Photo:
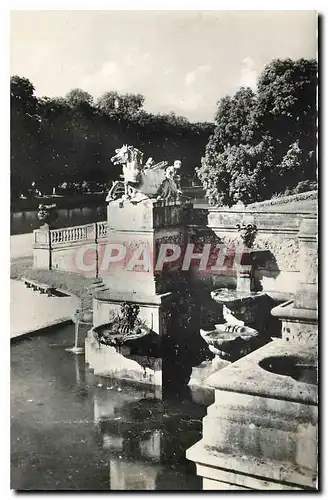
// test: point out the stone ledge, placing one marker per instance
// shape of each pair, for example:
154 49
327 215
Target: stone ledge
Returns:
40 329
252 473
136 297
243 376
288 311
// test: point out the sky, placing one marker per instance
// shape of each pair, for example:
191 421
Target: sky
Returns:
181 61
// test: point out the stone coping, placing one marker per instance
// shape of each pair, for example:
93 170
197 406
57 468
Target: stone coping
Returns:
258 210
249 470
276 205
247 377
41 329
287 310
152 202
32 312
135 297
282 200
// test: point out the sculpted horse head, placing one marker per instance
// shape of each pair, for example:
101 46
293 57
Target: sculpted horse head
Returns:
140 181
127 155
131 160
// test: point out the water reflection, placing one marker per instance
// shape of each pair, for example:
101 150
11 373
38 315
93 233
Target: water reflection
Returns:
71 430
146 439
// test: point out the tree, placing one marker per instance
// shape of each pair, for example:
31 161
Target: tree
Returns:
24 125
57 151
239 173
22 95
71 139
118 105
76 97
286 110
286 102
234 119
264 143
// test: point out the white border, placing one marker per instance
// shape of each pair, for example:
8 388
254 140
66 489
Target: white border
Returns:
320 6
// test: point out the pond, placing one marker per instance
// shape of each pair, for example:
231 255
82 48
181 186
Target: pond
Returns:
27 220
71 430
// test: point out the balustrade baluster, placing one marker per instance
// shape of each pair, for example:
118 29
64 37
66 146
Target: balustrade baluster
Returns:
78 233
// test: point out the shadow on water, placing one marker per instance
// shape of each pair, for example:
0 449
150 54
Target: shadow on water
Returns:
71 430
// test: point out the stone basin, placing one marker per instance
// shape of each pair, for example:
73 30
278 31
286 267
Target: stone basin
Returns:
141 340
261 431
109 335
300 369
229 297
246 308
244 375
230 342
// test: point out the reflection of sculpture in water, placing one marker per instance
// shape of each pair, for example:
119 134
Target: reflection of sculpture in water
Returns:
142 182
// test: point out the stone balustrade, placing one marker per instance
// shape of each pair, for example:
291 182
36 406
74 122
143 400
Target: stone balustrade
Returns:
69 234
55 248
102 229
85 232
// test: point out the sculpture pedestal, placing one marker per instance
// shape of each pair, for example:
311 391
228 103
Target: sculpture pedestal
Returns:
141 237
261 431
142 277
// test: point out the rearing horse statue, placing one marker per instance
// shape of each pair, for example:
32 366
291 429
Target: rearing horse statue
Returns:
140 181
131 160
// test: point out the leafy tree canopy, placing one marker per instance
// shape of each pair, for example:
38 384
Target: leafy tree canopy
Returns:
264 143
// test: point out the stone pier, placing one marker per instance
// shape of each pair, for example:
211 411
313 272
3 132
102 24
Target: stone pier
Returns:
160 293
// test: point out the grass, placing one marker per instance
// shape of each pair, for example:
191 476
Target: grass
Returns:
71 283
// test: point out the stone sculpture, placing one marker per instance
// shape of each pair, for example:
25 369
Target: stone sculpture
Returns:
170 188
248 233
125 329
47 214
142 182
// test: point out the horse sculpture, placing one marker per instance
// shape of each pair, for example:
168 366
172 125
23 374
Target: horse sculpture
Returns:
140 181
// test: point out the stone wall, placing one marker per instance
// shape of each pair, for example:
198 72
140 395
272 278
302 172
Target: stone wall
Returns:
276 247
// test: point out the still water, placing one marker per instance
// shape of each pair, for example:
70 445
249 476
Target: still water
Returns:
71 430
27 220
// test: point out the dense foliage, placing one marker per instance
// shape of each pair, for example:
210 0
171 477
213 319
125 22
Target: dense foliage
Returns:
70 140
264 143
